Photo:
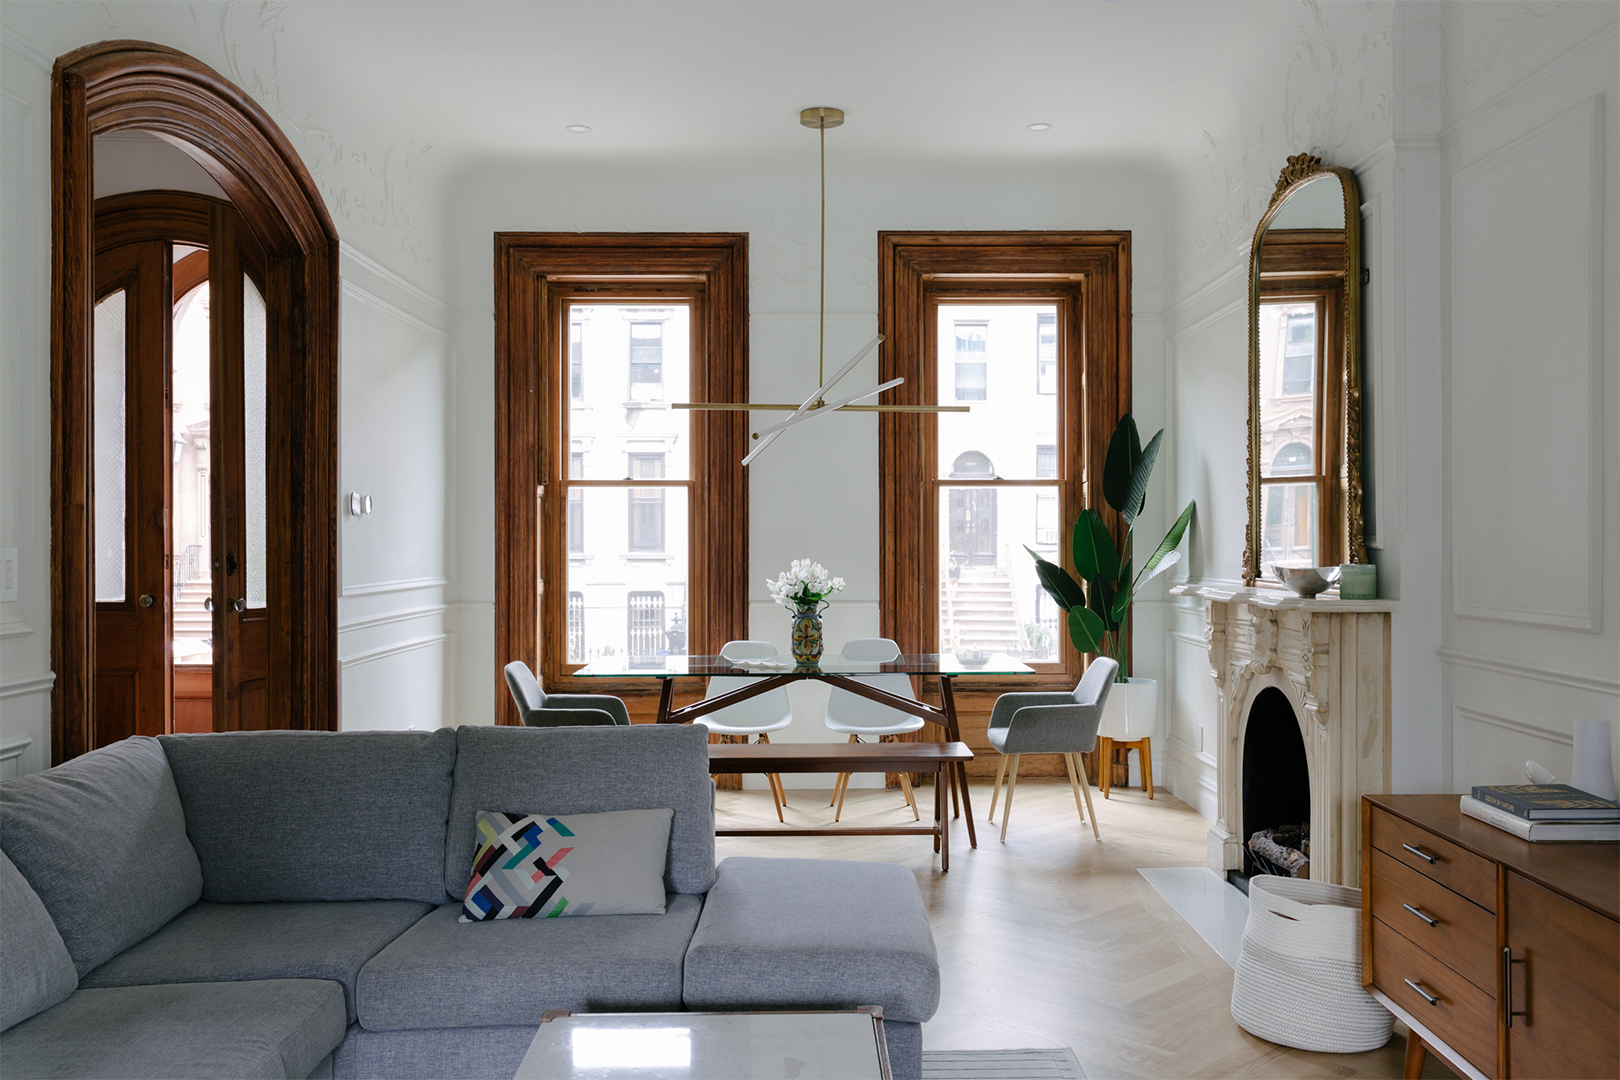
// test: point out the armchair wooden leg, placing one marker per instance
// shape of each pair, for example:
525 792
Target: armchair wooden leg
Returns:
1147 766
995 792
1105 765
1074 786
1006 811
1085 789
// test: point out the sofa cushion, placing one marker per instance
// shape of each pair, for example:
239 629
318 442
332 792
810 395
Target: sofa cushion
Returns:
561 866
37 972
444 973
239 942
354 815
102 840
587 770
274 1028
813 933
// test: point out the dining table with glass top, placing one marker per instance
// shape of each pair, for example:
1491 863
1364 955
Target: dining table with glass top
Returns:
833 669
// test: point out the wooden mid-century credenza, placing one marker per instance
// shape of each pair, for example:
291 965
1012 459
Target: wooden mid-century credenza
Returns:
1501 956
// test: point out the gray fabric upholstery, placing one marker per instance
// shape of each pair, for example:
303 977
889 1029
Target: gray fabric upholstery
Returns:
238 942
102 840
1053 723
813 933
479 1053
274 1028
37 971
905 1048
537 708
586 770
446 973
316 815
323 1071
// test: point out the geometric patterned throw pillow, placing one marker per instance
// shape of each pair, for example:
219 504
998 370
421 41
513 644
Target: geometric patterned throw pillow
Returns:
551 866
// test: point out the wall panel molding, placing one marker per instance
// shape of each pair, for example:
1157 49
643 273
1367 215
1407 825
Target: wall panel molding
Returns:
366 296
14 749
1603 41
352 254
393 650
27 684
1499 665
1568 151
403 615
376 588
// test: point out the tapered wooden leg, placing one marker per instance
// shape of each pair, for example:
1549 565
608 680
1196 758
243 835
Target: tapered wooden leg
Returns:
1147 766
1074 786
1415 1053
839 813
781 789
843 778
1006 811
995 792
1105 765
911 800
1085 789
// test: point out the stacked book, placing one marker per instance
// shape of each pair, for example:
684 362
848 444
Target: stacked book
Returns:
1545 812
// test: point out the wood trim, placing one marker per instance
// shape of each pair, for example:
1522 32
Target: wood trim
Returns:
529 269
1090 272
118 85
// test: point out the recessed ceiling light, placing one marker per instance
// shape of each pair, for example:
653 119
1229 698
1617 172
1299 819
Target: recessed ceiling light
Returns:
577 129
1039 127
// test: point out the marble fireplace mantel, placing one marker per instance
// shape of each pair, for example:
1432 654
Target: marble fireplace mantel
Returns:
1330 658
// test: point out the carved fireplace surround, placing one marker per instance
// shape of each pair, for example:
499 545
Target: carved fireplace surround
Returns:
1330 658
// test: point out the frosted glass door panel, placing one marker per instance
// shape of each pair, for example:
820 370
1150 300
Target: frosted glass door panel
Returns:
111 468
254 334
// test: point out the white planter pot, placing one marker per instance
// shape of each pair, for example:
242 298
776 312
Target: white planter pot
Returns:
1132 711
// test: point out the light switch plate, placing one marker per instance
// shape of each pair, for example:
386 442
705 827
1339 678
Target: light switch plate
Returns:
8 575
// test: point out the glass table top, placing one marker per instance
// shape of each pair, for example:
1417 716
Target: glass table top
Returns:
670 667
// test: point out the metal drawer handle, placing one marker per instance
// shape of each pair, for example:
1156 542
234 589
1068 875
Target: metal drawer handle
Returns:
1431 999
1419 914
1508 1012
1424 855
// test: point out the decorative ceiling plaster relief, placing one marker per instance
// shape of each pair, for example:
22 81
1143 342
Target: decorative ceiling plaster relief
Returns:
377 188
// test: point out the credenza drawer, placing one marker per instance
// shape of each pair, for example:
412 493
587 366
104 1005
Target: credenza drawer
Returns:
1460 1013
1435 919
1457 869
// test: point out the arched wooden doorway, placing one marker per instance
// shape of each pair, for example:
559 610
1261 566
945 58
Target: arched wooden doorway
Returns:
136 85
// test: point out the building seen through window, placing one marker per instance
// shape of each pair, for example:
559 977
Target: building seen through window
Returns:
627 527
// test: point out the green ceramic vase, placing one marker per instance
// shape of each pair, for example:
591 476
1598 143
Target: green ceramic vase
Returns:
807 634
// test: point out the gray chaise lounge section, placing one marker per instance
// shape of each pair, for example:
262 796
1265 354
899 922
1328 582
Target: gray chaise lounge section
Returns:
286 904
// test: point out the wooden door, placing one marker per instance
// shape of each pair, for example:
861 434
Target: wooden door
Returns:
239 326
973 526
1563 981
129 507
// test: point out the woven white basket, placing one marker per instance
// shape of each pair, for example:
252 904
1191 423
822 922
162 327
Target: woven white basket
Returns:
1298 979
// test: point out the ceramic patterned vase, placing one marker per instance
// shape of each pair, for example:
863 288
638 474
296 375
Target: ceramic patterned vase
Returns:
807 634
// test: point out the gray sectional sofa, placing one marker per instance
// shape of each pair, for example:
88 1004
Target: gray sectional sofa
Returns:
285 904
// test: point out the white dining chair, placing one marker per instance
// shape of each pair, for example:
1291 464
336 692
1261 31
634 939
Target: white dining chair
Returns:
757 716
860 717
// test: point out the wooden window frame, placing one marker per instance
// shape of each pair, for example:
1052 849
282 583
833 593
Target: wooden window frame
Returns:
533 272
1091 271
134 85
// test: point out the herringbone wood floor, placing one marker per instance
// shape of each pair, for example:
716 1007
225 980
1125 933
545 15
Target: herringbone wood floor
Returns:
1053 939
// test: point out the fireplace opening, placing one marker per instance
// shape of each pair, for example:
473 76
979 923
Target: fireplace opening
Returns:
1276 821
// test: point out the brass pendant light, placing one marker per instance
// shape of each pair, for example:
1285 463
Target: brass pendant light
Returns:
821 118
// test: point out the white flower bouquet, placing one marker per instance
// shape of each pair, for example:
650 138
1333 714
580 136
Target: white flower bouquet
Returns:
804 584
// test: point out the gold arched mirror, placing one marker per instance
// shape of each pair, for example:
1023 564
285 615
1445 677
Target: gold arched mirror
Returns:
1305 282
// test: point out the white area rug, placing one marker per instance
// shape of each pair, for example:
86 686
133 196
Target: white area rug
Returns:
1211 905
1058 1064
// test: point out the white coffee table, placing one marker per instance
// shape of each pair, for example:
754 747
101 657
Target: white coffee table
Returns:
845 1045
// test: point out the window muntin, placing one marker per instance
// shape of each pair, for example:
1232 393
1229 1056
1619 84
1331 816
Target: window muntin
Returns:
1046 353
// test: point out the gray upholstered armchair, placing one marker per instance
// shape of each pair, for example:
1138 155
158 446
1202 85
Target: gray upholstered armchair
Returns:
1050 724
540 709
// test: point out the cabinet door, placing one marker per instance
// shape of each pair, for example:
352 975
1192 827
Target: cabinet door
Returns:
1567 985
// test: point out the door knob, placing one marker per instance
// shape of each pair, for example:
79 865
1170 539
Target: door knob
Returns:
146 600
239 604
208 603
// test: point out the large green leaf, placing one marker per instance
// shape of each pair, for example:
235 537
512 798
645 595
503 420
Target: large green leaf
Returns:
1171 539
1103 592
1086 630
1166 563
1119 467
1123 595
1058 584
1137 496
1094 553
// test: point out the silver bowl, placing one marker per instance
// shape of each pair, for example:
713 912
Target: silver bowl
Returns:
1307 581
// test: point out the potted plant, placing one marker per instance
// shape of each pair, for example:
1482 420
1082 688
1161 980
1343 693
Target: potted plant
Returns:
1098 612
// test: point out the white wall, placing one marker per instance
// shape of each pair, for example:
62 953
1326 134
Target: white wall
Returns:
1486 160
814 493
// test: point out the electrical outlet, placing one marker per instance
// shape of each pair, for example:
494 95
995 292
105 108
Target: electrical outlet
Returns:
8 574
